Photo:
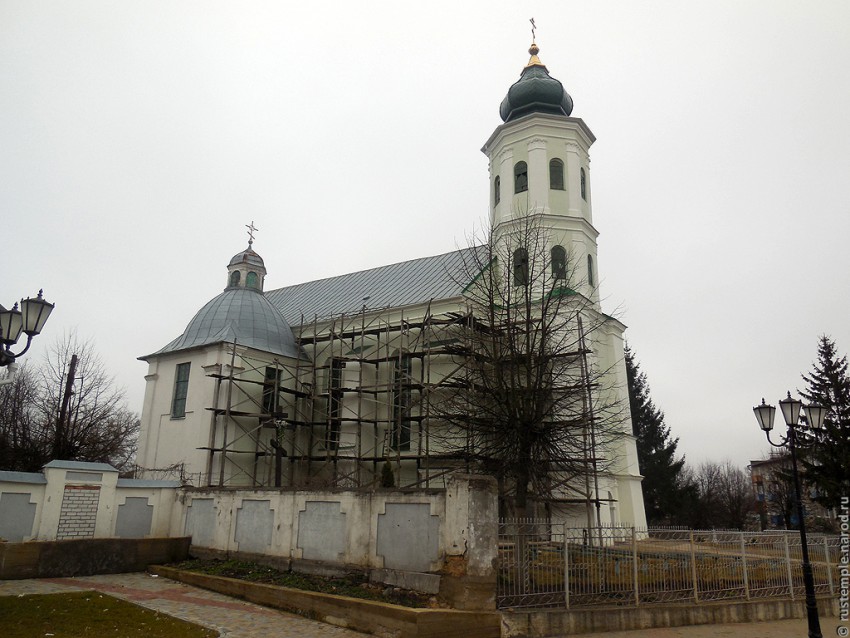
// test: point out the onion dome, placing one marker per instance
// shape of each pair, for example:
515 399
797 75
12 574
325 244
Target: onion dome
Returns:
535 92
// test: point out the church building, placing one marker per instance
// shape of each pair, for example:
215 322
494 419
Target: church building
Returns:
359 381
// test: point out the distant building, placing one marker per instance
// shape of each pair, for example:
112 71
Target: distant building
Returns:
322 383
773 488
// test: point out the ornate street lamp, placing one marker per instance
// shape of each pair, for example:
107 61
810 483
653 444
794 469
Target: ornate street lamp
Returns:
815 415
30 320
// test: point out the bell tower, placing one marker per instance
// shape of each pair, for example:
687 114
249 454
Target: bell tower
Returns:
540 166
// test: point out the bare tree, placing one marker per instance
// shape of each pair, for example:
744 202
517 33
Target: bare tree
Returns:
69 408
529 404
725 496
21 439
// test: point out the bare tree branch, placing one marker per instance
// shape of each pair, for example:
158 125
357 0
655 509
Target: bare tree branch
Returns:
530 404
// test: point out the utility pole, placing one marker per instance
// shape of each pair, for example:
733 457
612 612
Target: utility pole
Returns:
59 445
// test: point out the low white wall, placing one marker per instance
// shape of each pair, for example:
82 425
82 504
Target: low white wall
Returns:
397 530
70 499
401 531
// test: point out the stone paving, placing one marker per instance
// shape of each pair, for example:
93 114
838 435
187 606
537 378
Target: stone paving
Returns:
232 618
797 628
237 619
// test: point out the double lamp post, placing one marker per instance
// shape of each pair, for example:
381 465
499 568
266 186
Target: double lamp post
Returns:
815 415
30 319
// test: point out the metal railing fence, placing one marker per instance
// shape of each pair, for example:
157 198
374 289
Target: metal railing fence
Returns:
544 564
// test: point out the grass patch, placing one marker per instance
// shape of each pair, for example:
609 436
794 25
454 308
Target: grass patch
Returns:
89 613
353 585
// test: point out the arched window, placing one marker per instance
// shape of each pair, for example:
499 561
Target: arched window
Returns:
181 389
556 175
559 263
235 276
497 190
271 390
520 177
520 267
400 426
583 185
335 397
590 278
252 281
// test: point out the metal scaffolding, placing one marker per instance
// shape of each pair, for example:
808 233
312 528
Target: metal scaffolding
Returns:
365 392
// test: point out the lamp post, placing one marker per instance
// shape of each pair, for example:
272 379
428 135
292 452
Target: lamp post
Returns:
30 319
815 415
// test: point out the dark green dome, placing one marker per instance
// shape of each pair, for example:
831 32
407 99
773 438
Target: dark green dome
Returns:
535 92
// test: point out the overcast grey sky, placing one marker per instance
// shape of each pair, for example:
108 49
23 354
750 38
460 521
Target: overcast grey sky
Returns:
138 138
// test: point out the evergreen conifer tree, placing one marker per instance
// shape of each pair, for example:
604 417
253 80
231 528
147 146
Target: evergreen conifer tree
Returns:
828 464
664 491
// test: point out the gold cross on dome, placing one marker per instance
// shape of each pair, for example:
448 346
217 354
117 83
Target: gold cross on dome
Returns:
251 231
533 28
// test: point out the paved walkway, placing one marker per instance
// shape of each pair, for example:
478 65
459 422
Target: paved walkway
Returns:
231 617
237 619
775 629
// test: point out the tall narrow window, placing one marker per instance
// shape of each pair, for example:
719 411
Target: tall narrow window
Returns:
400 438
497 190
335 397
520 177
271 390
556 175
559 263
520 267
235 277
251 280
590 277
181 389
583 185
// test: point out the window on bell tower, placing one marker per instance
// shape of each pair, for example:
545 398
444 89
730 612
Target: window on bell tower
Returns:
583 185
556 175
520 267
235 276
559 262
520 177
590 277
497 190
252 281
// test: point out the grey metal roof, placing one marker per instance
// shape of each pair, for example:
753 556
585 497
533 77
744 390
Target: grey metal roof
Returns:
84 466
147 483
406 283
7 476
240 314
247 256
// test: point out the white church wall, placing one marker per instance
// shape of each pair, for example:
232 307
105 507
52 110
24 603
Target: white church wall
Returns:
166 440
